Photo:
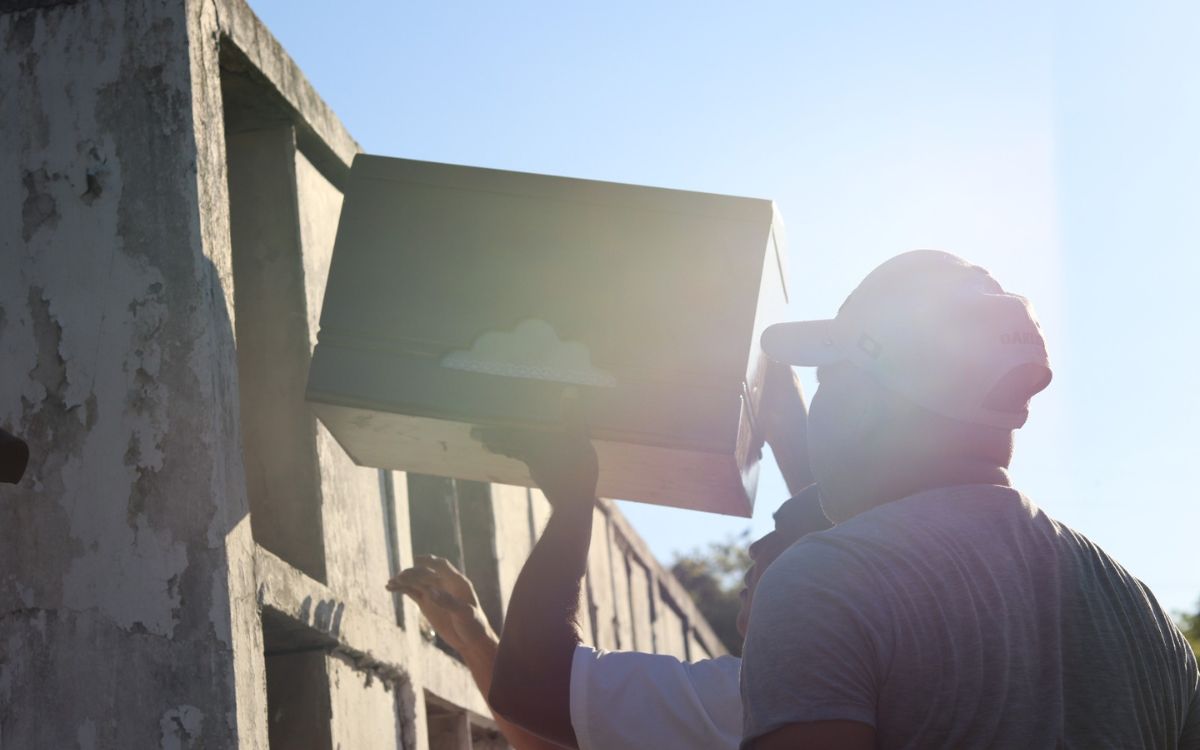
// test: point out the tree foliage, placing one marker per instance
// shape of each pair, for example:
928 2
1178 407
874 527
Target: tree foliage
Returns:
713 577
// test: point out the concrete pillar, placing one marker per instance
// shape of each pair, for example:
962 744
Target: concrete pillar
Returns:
355 508
600 582
641 604
126 577
514 535
477 513
621 596
278 429
433 517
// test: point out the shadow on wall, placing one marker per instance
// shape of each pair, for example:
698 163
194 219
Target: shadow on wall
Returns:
14 457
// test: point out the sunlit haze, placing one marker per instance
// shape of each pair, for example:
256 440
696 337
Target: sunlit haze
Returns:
1055 146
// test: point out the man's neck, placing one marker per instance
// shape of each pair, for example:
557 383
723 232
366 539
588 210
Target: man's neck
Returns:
916 477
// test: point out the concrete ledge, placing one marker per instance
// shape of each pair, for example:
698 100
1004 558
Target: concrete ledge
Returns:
317 126
306 614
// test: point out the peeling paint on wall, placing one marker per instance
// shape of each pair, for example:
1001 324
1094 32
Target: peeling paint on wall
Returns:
115 341
180 728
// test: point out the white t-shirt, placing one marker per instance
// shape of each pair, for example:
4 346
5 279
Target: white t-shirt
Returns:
625 699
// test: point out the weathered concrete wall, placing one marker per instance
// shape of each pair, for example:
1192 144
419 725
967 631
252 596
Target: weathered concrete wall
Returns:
516 531
640 601
123 548
279 432
353 517
623 618
140 607
600 585
363 708
352 513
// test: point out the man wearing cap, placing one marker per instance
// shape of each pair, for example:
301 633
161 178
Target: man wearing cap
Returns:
946 609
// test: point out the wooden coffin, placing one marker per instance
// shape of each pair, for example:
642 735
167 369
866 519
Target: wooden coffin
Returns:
460 296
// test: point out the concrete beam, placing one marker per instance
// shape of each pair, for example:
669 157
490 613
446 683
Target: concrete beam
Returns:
316 617
318 127
319 617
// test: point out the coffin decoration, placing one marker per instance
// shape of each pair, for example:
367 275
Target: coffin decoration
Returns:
461 297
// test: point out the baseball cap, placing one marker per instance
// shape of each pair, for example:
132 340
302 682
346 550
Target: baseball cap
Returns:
935 329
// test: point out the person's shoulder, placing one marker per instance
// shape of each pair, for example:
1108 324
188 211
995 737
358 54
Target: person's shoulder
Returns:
692 704
832 560
882 537
1089 557
880 530
719 667
1092 561
961 511
601 664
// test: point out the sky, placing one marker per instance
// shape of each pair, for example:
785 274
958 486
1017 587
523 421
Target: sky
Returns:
1054 144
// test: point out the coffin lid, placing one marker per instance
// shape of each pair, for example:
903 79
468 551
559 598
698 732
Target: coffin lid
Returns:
414 278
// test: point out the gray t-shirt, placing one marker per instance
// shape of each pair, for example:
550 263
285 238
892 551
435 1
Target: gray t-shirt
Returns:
965 617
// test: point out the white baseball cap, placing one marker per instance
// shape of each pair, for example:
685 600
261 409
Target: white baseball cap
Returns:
936 329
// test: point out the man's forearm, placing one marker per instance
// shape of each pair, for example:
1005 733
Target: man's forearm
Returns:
480 658
786 421
532 677
791 455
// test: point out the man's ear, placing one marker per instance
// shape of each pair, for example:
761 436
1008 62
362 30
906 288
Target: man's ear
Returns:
868 411
879 415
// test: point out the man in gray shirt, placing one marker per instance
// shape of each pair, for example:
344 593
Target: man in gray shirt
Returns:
945 609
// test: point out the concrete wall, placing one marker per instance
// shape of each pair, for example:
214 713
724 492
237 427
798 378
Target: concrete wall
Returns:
126 549
192 560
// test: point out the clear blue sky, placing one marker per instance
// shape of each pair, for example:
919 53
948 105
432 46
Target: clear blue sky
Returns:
1055 145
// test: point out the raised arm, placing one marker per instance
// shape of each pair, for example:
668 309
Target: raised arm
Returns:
785 425
532 677
447 599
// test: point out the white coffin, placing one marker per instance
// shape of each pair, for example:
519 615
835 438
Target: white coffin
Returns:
460 296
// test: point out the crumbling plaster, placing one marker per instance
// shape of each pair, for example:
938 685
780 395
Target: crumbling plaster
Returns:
115 344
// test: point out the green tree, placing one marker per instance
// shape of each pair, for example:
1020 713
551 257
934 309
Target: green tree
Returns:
713 577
